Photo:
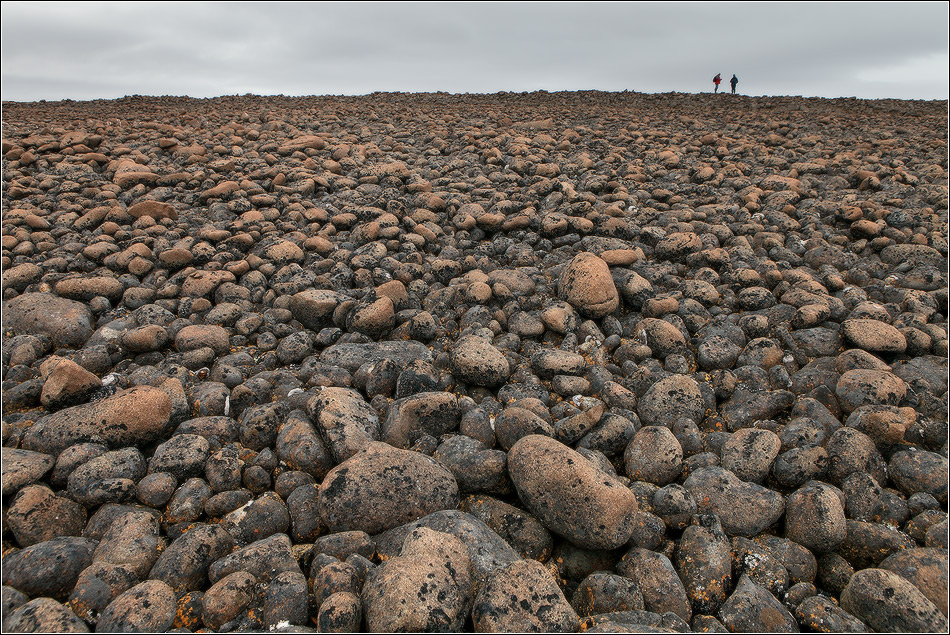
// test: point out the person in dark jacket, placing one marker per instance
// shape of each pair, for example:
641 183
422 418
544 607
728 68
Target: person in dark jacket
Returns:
716 80
734 81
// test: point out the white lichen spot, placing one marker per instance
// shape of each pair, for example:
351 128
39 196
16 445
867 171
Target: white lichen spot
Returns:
752 560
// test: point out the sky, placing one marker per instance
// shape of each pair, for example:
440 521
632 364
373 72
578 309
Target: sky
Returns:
107 50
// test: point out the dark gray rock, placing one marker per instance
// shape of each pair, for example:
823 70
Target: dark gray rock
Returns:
606 593
48 568
522 531
429 586
487 550
660 585
352 356
745 509
433 413
346 422
523 597
752 609
669 399
822 615
382 487
887 602
264 559
184 564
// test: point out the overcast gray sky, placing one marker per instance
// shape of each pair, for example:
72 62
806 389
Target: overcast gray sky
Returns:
90 50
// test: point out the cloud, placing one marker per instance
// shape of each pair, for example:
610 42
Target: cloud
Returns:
106 50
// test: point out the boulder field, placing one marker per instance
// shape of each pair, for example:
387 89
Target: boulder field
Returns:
561 362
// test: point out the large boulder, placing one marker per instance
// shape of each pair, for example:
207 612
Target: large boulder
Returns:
587 285
68 323
382 487
570 495
128 418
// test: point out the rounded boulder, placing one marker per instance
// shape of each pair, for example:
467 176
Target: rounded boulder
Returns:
569 495
382 487
587 285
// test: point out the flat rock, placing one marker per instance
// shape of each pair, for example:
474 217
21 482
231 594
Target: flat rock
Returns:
264 559
23 467
136 415
486 549
43 615
926 568
862 387
38 515
67 383
352 356
48 568
156 209
873 335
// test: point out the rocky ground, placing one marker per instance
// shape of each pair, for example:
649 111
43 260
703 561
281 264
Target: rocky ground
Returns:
571 361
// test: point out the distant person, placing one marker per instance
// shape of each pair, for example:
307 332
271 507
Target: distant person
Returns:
716 80
733 81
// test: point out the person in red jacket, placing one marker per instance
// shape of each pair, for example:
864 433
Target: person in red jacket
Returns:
716 80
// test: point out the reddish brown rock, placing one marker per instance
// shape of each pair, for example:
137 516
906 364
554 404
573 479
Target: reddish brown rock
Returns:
551 478
874 336
586 284
136 415
156 209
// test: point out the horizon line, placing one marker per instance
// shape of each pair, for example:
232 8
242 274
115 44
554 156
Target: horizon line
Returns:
457 94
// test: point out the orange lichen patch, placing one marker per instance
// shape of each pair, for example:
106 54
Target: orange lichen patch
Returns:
82 609
188 612
7 549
